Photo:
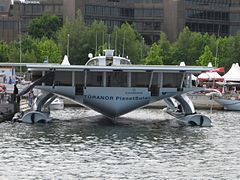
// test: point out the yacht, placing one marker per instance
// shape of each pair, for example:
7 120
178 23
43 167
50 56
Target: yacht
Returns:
112 86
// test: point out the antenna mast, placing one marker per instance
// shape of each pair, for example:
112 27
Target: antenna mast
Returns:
123 42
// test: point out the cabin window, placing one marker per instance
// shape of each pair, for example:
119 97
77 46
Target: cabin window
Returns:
172 80
93 62
109 61
140 79
94 79
79 82
124 62
63 78
113 79
116 79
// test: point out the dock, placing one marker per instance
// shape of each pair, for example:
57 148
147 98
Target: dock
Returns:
200 102
8 106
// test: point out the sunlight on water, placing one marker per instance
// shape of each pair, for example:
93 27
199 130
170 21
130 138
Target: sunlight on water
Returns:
144 144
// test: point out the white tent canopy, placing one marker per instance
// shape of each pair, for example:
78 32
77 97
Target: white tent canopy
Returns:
210 64
65 61
210 76
233 74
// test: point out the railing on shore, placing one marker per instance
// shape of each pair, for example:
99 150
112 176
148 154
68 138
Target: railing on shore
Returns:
9 105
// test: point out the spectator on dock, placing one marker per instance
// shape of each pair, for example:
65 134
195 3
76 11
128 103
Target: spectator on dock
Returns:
15 93
10 80
30 98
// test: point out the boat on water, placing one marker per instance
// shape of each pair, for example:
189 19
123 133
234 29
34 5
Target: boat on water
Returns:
112 86
229 102
8 106
57 104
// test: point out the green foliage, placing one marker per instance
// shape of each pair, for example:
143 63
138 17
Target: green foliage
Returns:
49 50
165 48
153 57
187 48
94 39
206 57
3 51
127 42
45 26
229 51
13 52
33 51
191 47
78 42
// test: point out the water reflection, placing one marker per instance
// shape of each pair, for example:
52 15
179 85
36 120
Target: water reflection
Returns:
144 144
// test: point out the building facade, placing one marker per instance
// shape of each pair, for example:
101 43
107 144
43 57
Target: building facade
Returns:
220 17
149 17
19 14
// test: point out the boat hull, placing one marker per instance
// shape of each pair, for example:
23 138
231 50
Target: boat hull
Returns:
115 101
229 104
57 104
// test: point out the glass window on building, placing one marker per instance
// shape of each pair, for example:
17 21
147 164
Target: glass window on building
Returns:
126 12
138 26
147 13
1 8
235 17
147 26
89 10
99 10
157 12
48 8
58 9
37 8
156 25
114 12
234 29
138 12
27 9
1 24
106 11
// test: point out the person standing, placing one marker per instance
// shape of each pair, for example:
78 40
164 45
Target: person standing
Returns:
15 93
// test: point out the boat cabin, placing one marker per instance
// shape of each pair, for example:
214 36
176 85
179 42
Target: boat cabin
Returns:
107 60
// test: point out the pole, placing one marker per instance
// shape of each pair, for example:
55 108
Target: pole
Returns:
96 44
123 43
68 45
216 54
20 46
142 44
116 44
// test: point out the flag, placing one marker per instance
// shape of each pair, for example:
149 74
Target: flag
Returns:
221 69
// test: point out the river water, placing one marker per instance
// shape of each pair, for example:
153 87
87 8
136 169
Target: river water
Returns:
144 144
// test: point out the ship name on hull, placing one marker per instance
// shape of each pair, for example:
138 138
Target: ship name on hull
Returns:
116 98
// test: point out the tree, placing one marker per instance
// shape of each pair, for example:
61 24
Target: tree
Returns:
164 46
49 50
206 57
95 38
13 52
127 42
45 26
229 50
188 47
79 45
153 57
3 51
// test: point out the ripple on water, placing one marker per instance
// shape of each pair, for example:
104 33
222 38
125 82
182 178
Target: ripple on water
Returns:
144 144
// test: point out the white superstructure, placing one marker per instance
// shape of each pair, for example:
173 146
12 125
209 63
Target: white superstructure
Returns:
112 86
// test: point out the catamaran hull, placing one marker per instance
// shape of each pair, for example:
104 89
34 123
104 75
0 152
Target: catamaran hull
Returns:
229 104
115 101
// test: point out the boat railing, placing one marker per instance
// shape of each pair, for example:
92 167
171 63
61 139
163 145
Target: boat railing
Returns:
232 96
6 98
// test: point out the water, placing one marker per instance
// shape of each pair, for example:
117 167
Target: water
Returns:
145 144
